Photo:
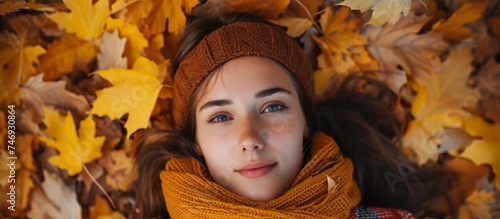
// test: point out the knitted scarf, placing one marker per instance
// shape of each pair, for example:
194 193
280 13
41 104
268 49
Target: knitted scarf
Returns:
323 189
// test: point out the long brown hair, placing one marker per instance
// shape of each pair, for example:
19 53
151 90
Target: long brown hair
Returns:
361 122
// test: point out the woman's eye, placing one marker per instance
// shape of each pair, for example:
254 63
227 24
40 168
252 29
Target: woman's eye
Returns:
219 118
273 108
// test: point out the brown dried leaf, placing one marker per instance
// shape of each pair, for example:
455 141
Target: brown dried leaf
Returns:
112 129
399 45
488 85
37 93
439 103
120 170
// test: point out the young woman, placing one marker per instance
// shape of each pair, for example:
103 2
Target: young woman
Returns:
249 143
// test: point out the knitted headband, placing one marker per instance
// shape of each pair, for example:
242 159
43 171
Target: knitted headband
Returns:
232 41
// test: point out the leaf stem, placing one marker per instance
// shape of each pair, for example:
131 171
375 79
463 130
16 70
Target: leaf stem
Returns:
310 16
100 187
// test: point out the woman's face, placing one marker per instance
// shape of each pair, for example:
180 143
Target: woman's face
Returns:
250 128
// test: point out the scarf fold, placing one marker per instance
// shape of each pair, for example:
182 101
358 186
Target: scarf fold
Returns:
324 188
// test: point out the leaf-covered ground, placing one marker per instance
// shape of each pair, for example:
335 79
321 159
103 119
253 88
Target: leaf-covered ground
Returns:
87 77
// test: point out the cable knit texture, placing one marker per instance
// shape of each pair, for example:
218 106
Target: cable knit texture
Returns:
232 41
190 193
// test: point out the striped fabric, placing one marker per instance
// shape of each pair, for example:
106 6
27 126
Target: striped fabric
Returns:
362 212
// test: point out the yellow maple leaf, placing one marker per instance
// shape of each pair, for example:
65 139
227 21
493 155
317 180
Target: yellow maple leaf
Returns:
62 54
296 26
85 20
136 42
383 10
174 11
154 50
134 92
484 150
439 103
342 46
120 170
74 150
454 28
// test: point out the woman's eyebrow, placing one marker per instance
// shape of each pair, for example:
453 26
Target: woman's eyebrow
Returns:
215 103
271 91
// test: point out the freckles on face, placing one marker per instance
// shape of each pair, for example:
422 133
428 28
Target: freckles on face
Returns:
250 126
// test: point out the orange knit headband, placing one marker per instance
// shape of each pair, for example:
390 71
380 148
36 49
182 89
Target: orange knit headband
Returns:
232 41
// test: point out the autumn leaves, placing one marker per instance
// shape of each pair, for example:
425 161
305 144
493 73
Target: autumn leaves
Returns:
90 75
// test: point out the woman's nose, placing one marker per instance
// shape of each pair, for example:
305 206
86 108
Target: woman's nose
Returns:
250 135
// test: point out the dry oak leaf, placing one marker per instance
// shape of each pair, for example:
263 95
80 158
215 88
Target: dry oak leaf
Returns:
439 103
269 9
74 150
384 11
11 6
85 20
398 44
134 92
296 25
111 51
135 40
37 93
62 54
484 150
16 66
54 199
342 47
488 84
454 28
119 168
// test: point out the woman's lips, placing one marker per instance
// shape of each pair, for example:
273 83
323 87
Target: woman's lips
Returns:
256 169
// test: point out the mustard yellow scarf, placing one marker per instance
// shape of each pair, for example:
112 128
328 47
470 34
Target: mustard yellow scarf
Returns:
323 189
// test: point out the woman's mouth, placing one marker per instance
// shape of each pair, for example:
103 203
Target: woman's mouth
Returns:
256 169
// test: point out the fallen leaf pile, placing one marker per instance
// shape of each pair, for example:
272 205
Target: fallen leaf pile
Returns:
87 77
